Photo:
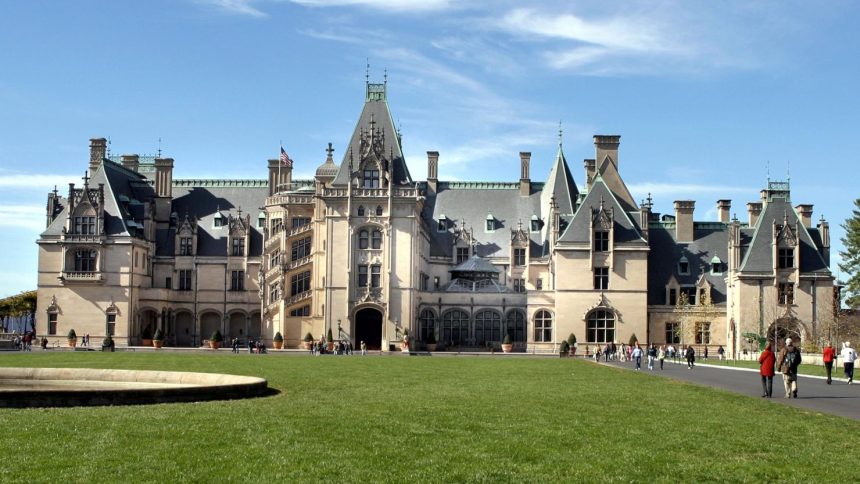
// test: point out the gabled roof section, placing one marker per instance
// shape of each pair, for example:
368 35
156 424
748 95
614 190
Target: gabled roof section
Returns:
759 254
375 113
560 185
609 173
600 195
711 242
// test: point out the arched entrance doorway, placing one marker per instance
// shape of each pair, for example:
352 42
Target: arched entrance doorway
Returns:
784 328
184 329
368 328
148 324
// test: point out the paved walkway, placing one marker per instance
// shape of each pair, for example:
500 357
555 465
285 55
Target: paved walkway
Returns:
813 392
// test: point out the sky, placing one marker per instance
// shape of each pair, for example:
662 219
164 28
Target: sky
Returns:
710 98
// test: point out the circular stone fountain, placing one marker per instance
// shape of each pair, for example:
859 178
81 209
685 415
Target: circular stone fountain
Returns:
66 387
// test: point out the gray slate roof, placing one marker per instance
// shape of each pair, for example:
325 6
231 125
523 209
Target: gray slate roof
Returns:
475 264
560 185
579 229
666 252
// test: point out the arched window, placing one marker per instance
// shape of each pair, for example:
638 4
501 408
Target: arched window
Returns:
361 210
515 325
379 210
455 327
362 239
426 324
376 239
543 326
600 327
488 327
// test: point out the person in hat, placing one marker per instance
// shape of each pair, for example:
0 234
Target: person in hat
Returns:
789 360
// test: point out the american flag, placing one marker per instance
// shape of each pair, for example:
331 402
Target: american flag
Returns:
285 158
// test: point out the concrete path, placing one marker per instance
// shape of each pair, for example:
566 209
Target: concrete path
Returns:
813 392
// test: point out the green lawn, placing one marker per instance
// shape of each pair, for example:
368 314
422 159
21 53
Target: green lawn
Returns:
803 369
408 419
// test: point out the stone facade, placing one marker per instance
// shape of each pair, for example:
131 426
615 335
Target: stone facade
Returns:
369 253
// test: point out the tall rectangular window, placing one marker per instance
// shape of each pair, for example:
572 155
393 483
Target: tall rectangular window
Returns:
277 225
689 293
300 222
275 258
539 284
237 281
370 179
442 225
519 285
111 324
519 257
300 249
375 272
168 282
185 280
362 276
703 333
185 246
673 296
85 260
274 292
601 278
673 333
601 241
52 323
238 246
300 283
786 258
462 254
786 293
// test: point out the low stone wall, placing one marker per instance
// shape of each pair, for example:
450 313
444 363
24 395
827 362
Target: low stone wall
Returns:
63 387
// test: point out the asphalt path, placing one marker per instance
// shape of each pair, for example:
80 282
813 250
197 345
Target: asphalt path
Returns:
813 393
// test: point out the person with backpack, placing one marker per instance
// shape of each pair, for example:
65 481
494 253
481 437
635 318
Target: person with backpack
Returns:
691 357
849 356
789 360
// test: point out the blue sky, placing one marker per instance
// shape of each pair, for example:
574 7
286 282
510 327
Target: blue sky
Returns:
706 95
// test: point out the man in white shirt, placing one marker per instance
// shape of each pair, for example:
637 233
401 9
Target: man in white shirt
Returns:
849 356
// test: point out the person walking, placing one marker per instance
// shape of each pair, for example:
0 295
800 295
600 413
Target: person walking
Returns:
828 355
363 348
721 352
661 355
691 357
652 355
767 360
849 356
636 354
789 360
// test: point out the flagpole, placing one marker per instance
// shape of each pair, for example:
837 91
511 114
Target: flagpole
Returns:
278 184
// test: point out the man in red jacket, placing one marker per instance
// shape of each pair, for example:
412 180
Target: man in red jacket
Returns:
828 356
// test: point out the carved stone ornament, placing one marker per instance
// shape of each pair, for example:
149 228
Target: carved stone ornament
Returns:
786 236
53 307
603 220
602 303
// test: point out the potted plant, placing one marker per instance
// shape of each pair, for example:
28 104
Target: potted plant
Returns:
309 340
73 338
146 336
158 338
404 346
431 342
215 340
107 343
330 341
278 341
565 349
507 344
571 342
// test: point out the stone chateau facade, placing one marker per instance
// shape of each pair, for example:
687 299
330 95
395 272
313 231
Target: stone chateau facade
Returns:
369 252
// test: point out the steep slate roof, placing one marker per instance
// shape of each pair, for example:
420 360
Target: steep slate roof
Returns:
710 240
203 202
376 108
560 184
758 256
579 229
472 202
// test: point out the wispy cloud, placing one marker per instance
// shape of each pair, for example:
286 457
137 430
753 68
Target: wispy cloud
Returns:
234 7
387 5
29 217
9 179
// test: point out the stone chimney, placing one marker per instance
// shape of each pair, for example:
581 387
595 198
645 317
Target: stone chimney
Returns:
525 180
590 168
432 170
805 212
824 231
98 150
606 145
684 220
131 162
754 209
724 207
164 177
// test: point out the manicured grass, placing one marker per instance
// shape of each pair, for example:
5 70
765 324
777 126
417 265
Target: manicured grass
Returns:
408 419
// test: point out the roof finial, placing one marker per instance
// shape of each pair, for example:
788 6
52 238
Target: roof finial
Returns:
788 172
86 178
650 200
367 71
768 172
108 148
329 152
159 146
385 76
560 132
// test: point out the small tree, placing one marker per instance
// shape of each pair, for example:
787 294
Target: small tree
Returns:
278 337
159 335
329 336
507 340
308 337
565 347
72 334
633 340
216 336
571 340
851 257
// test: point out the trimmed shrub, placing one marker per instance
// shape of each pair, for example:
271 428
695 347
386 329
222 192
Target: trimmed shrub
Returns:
507 340
146 333
329 336
571 340
72 334
633 340
565 347
216 336
159 335
308 337
278 337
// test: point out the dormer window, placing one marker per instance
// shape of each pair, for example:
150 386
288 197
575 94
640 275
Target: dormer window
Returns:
491 223
716 266
85 225
683 266
442 224
601 241
261 220
786 258
519 257
535 224
370 179
219 220
185 246
379 210
361 210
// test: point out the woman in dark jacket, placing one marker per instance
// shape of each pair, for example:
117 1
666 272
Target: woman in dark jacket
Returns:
768 362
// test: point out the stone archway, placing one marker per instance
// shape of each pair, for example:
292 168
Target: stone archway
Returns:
783 328
184 329
148 323
236 327
209 323
368 328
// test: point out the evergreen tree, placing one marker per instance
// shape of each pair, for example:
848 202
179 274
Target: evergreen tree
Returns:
851 257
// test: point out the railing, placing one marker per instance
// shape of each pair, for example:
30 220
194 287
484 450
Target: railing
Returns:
298 297
297 263
299 230
273 238
79 276
290 199
275 269
89 238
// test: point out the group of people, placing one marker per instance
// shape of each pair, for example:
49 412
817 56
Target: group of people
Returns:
338 347
253 346
788 361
